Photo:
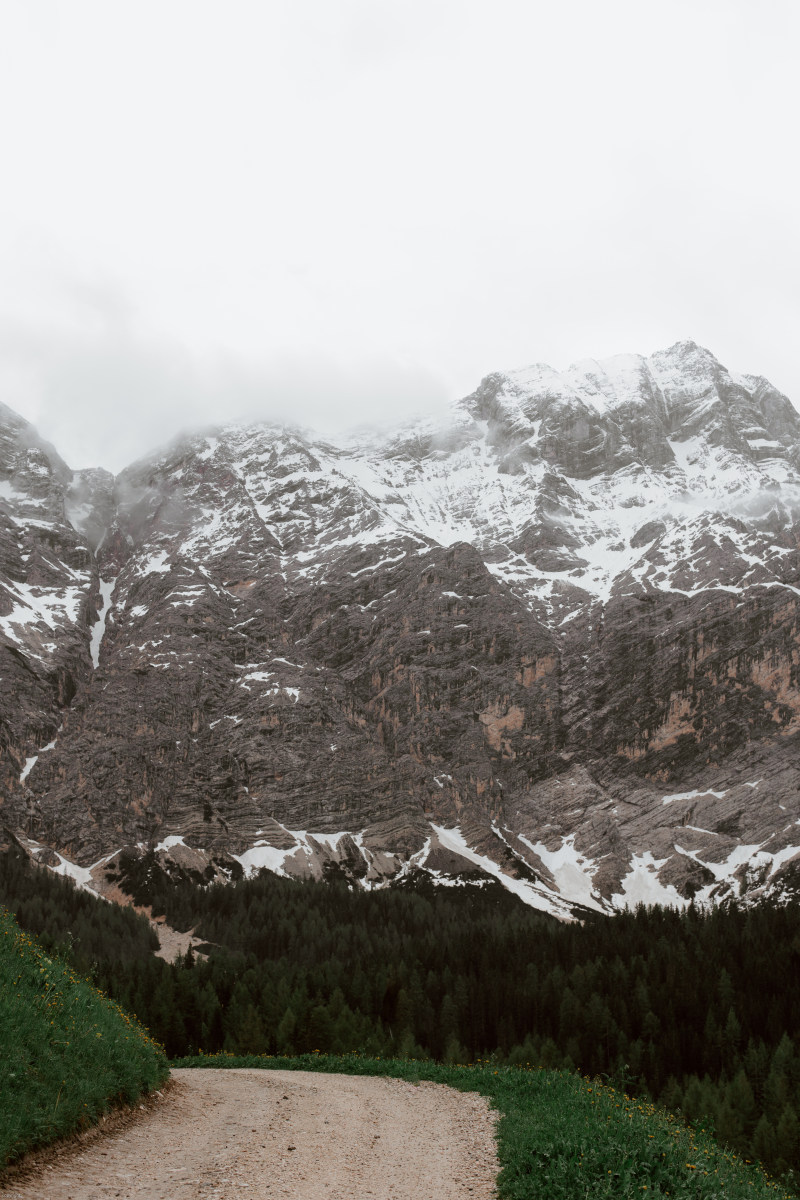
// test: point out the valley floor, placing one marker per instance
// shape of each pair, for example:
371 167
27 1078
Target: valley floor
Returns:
297 1134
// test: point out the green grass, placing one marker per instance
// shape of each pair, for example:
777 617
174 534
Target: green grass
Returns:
67 1053
564 1137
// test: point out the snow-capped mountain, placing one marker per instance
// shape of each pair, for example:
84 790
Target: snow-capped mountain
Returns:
552 639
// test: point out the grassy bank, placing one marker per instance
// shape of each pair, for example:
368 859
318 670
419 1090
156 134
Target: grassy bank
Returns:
564 1137
67 1053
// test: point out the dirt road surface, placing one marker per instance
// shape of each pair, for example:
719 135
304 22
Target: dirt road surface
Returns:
273 1135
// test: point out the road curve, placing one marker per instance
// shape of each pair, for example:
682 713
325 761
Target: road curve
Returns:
293 1135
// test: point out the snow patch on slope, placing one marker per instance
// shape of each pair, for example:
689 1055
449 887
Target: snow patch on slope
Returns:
99 627
453 839
641 885
572 871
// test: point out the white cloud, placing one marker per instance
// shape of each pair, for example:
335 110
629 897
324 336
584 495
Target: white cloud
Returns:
105 391
353 203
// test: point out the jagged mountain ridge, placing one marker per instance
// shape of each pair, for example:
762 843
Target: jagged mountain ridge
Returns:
551 638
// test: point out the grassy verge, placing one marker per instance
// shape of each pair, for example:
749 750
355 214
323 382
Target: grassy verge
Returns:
563 1137
67 1053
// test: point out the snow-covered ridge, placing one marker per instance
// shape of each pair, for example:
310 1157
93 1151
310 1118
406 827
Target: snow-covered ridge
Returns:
609 476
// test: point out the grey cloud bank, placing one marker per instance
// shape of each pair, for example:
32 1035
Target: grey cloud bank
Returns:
108 398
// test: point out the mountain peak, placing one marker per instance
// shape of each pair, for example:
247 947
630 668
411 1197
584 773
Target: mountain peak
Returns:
687 349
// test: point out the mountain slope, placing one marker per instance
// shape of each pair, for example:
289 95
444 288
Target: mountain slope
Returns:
552 638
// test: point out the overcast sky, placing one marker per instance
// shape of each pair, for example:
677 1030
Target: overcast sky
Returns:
334 210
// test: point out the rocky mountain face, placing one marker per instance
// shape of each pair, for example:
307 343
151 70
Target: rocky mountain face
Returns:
552 639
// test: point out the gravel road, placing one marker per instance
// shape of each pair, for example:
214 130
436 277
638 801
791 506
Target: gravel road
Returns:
298 1134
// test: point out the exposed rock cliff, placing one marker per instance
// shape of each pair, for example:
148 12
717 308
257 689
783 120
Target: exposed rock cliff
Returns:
553 638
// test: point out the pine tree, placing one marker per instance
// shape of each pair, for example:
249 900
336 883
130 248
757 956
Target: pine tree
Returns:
320 1029
787 1137
693 1099
250 1037
672 1096
730 1040
739 1095
285 1033
454 1052
728 1125
765 1142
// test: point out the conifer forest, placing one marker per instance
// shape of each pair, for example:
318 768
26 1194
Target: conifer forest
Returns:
697 1010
